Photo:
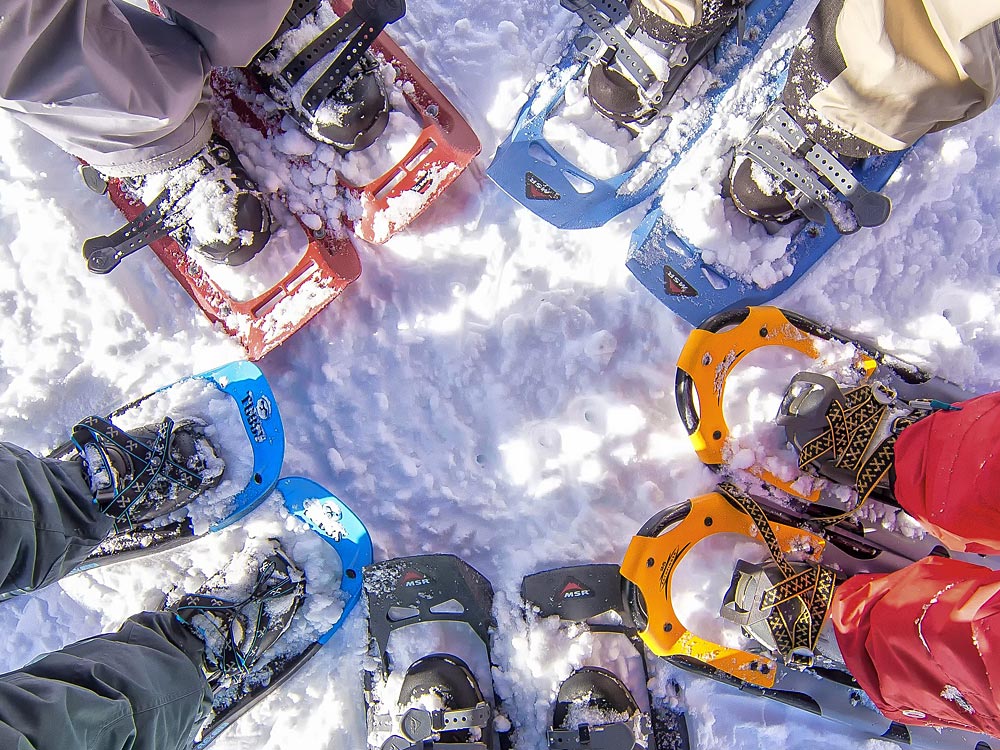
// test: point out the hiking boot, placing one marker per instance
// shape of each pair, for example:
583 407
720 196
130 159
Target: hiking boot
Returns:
319 69
150 472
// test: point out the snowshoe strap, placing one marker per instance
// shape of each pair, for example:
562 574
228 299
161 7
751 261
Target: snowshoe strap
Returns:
104 253
813 587
601 16
852 425
419 724
149 463
870 208
616 736
360 25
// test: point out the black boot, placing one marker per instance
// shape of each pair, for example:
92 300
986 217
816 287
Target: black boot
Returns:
622 87
149 472
240 622
208 204
330 84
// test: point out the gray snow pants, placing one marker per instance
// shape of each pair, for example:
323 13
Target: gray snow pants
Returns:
141 688
117 86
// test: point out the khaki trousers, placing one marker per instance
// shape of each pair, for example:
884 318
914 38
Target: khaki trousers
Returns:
909 67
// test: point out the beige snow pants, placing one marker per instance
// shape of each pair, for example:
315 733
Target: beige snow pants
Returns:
117 86
910 66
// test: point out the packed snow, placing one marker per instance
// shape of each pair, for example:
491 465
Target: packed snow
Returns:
490 387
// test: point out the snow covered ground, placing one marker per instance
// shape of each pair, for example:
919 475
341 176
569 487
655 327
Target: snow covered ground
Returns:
490 387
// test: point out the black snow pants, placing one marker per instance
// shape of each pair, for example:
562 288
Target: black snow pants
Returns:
141 688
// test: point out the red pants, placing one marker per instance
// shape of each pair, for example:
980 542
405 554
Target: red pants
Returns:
919 640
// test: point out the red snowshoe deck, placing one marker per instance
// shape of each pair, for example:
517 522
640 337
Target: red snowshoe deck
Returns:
445 148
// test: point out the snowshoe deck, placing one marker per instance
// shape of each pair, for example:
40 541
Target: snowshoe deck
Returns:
445 148
428 589
673 269
583 594
246 386
532 172
340 528
714 349
652 561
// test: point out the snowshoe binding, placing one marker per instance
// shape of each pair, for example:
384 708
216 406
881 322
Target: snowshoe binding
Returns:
890 392
170 482
621 85
150 472
781 603
240 624
438 699
172 198
594 707
331 85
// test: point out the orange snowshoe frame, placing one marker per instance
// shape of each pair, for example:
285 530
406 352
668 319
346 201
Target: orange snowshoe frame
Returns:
714 349
653 557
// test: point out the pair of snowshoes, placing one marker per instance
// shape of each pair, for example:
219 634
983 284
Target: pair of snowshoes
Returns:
344 88
419 700
191 459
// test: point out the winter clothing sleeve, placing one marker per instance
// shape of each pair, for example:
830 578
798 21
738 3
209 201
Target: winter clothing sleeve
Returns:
119 87
138 689
947 474
48 519
919 642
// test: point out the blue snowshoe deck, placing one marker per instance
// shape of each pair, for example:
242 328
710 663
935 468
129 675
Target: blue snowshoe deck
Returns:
673 269
529 169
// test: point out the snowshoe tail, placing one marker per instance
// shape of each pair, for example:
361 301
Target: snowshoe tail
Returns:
586 594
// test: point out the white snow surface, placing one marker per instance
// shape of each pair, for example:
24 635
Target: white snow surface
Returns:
491 386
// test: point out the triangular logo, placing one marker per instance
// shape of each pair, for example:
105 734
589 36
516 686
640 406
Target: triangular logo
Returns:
536 189
675 285
573 589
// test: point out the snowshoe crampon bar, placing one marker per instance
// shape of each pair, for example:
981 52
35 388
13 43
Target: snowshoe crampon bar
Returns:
653 557
340 528
532 172
445 148
714 349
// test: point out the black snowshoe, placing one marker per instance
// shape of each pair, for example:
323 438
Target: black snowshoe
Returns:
440 700
594 708
240 625
622 85
150 472
332 85
214 175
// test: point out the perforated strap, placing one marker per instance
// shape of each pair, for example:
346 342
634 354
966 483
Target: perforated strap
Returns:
870 208
614 736
601 16
419 724
367 19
